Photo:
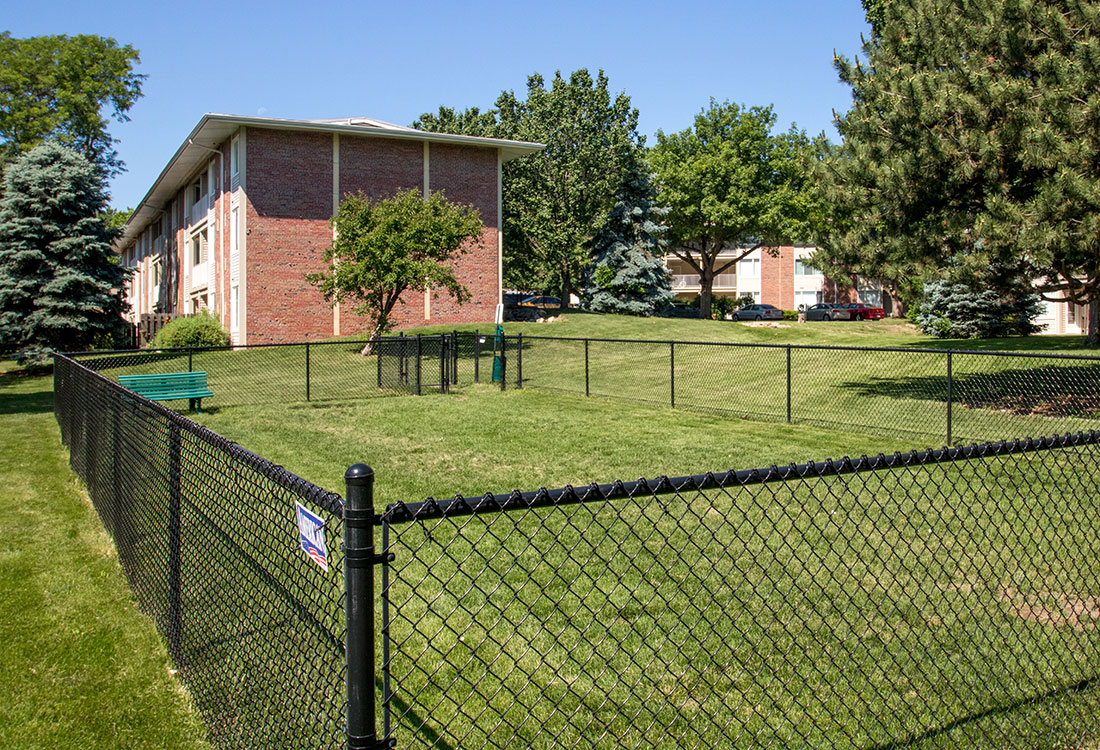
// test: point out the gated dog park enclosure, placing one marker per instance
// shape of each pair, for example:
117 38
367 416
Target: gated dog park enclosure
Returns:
944 596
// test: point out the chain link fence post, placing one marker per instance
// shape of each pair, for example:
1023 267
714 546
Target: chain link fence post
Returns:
788 383
586 391
378 358
359 646
519 361
950 383
175 480
307 371
671 373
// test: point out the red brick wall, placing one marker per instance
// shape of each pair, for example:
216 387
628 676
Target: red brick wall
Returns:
840 292
777 277
468 175
464 174
289 203
379 167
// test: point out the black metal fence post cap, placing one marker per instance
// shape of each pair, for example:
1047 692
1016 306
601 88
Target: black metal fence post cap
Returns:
358 474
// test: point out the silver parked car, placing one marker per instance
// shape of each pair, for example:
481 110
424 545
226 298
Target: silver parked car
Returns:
758 312
828 311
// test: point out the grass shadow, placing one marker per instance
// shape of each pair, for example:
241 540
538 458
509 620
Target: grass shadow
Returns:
1048 390
920 738
21 401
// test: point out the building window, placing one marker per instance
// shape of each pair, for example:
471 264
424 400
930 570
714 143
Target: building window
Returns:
808 298
871 297
198 249
802 268
749 268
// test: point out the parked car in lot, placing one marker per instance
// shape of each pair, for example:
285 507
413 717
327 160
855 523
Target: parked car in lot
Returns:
758 312
828 311
541 302
860 311
678 310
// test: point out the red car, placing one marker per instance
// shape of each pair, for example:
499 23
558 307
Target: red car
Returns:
860 311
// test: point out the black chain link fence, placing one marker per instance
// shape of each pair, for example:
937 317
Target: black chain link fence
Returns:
207 535
935 396
940 599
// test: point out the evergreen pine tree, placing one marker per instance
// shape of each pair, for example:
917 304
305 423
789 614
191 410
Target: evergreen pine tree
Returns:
61 287
628 274
973 145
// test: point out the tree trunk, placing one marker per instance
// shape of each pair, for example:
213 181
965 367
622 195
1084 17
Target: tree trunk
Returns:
706 285
566 287
897 306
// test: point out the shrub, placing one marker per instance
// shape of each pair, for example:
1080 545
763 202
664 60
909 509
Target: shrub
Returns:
957 311
720 307
202 329
790 315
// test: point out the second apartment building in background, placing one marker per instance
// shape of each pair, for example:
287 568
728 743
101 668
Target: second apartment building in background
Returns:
781 276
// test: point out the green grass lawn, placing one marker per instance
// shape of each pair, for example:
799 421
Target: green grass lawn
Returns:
909 584
80 666
902 393
920 591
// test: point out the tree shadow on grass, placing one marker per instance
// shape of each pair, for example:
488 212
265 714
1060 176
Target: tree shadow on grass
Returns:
1048 390
1058 692
13 401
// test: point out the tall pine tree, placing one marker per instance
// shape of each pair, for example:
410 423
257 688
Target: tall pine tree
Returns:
628 274
61 287
972 150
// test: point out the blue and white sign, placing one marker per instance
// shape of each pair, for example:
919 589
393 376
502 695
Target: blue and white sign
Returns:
312 531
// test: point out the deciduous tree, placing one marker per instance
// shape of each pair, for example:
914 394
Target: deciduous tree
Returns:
387 247
730 183
556 200
65 88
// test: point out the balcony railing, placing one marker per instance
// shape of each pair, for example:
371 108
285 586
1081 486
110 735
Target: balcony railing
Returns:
199 209
200 275
691 281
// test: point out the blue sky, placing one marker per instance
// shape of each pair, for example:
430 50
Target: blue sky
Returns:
395 60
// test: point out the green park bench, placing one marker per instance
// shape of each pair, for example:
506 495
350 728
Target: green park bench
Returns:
170 386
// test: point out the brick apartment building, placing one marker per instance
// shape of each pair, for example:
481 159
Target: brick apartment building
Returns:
240 215
785 280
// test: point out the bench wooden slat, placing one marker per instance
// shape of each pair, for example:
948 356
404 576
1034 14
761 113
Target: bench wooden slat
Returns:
171 386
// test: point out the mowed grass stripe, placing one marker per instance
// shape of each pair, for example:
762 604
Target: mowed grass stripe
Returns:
81 666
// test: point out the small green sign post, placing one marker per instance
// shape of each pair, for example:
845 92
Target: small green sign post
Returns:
498 354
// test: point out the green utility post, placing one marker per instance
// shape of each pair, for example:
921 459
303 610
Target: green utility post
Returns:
498 354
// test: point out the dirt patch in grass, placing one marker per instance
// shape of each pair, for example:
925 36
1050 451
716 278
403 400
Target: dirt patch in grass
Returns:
1054 608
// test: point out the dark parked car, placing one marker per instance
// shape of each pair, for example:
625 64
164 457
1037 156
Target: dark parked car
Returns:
544 301
828 311
758 312
860 311
682 311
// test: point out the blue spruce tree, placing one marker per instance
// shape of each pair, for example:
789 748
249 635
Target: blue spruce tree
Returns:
627 274
61 288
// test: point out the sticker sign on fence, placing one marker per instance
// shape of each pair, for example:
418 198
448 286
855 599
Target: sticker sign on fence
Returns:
311 529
